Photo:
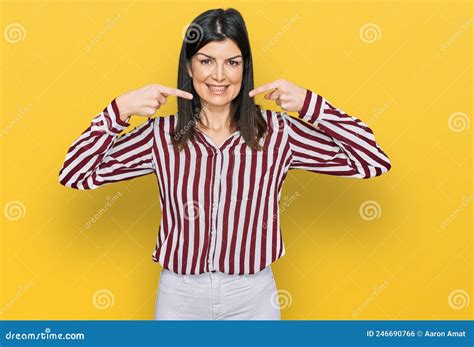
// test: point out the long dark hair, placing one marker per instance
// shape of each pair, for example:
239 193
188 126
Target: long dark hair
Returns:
246 116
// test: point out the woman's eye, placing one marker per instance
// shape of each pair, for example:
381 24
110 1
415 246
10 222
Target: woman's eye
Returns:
209 61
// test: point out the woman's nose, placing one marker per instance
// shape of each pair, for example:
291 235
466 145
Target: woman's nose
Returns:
218 73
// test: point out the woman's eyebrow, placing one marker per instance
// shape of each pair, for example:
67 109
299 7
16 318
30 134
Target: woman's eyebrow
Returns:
211 57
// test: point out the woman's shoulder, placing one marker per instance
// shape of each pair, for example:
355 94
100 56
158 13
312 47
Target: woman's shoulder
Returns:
274 119
165 122
272 114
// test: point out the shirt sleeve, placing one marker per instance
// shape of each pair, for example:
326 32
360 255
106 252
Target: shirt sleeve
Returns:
324 139
101 155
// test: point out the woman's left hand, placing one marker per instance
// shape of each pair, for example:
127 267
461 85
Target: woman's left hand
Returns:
287 95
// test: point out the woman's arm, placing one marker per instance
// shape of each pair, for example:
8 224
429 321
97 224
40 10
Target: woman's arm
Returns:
326 140
101 156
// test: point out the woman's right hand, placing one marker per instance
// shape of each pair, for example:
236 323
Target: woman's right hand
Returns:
147 100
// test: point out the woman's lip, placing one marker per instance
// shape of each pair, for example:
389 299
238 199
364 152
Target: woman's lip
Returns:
218 86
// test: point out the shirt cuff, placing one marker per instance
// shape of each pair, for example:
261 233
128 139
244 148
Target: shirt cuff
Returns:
112 123
117 114
312 111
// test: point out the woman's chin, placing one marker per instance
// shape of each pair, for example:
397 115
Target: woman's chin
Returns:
215 101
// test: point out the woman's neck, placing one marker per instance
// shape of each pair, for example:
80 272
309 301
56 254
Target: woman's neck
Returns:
215 118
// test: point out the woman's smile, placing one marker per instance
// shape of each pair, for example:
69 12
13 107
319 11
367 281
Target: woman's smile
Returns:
217 89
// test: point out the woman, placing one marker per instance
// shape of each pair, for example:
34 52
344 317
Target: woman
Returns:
220 163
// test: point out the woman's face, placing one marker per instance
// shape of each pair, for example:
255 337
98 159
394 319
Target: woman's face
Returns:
217 70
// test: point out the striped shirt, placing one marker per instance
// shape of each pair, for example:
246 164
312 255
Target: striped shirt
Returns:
220 204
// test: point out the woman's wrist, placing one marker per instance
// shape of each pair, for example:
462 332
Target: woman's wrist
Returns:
124 112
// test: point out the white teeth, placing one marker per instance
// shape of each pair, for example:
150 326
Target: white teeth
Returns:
217 90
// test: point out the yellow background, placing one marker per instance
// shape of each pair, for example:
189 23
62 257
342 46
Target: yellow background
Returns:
411 82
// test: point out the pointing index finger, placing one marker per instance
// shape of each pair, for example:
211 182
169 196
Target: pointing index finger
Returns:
177 92
265 88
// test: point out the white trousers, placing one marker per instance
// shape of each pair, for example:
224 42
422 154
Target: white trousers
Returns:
216 295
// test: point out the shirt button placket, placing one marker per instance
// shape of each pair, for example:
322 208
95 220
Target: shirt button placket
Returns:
215 204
